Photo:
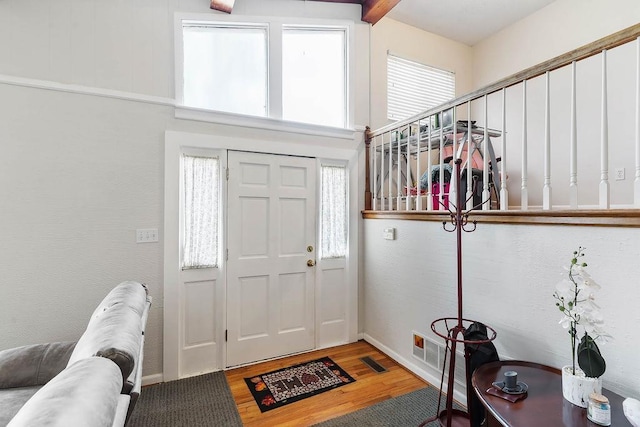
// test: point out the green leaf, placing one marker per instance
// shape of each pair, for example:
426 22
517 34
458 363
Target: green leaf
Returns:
589 358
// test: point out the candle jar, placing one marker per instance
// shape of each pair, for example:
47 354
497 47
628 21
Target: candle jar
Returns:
599 410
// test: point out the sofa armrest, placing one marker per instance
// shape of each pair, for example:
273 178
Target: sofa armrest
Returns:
86 393
33 365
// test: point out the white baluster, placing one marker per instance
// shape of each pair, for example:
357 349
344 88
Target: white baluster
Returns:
374 181
486 194
573 155
636 182
605 198
469 195
418 174
453 184
546 189
398 175
429 167
504 194
408 183
441 175
524 191
390 171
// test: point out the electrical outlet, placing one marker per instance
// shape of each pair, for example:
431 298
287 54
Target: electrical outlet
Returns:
389 234
146 235
619 174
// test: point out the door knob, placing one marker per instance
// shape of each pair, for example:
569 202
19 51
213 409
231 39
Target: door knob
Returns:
310 263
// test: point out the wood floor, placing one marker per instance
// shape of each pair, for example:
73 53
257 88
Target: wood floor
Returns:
369 388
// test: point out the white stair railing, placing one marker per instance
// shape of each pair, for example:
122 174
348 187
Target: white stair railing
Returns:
399 151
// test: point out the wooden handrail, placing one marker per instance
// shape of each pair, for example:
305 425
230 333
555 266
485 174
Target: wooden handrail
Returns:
584 217
591 49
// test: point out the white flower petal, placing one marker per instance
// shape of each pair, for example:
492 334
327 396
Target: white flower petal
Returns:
565 321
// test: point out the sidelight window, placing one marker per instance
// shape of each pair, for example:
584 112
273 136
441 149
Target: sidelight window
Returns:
201 182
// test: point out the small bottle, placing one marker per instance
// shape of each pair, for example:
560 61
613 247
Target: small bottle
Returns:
599 410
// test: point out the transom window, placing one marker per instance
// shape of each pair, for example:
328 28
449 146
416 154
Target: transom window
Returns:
297 73
225 68
314 76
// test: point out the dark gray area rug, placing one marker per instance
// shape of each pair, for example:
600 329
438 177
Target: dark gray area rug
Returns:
403 411
200 401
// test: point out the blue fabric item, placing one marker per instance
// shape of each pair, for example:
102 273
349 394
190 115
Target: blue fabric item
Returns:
435 175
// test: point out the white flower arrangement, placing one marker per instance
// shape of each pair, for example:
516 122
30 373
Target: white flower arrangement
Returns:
576 300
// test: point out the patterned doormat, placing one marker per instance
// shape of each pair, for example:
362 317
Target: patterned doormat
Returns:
278 388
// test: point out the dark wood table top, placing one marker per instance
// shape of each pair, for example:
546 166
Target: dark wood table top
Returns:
544 405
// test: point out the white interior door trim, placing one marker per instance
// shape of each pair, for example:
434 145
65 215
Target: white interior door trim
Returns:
174 317
174 141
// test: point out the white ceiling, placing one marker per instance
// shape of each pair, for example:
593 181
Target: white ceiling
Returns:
466 21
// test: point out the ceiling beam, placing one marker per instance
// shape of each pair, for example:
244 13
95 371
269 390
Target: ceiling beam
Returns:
374 10
222 5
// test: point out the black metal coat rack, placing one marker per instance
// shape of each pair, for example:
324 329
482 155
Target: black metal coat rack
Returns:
452 328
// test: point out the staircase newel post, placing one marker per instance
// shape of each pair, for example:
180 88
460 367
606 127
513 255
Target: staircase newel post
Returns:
367 172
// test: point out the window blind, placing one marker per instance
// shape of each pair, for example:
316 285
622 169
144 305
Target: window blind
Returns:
413 87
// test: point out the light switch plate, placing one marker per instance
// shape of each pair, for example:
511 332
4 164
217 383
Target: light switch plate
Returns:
146 235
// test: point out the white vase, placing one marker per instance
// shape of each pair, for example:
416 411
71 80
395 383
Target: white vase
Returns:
577 388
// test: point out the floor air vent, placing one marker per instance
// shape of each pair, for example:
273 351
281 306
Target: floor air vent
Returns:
367 360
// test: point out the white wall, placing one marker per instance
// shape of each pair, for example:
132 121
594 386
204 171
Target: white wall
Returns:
557 28
621 82
79 173
509 276
411 43
562 26
510 271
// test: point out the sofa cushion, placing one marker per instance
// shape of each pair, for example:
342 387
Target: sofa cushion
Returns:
32 365
84 394
12 399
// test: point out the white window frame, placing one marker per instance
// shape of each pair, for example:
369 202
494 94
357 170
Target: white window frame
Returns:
423 67
274 53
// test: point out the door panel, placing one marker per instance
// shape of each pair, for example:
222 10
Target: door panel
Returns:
270 288
199 322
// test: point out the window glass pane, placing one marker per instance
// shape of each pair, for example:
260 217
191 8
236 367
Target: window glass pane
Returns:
334 212
314 76
201 200
413 87
225 68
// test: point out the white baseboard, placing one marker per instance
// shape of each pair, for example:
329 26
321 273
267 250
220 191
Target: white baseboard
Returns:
152 379
458 395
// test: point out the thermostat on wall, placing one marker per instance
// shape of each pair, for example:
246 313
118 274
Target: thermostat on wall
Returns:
389 233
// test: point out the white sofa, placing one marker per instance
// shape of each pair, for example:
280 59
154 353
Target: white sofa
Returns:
92 382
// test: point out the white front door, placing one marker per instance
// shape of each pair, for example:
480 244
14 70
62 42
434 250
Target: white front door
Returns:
271 240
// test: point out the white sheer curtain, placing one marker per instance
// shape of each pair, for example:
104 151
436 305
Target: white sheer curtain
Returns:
201 206
334 211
